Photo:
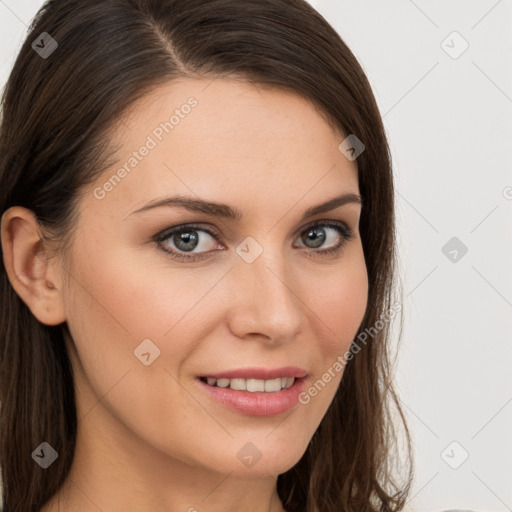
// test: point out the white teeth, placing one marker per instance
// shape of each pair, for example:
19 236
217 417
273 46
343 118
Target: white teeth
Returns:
253 385
238 384
273 385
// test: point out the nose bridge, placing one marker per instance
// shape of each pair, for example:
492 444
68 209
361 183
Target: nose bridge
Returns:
267 296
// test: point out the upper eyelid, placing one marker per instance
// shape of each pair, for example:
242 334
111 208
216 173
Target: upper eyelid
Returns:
207 226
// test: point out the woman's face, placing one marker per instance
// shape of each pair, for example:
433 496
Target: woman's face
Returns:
255 298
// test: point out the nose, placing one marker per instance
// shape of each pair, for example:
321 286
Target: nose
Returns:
266 300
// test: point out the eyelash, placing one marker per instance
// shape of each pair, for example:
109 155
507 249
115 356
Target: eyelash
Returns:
345 232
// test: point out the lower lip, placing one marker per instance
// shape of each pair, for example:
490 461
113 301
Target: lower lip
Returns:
256 403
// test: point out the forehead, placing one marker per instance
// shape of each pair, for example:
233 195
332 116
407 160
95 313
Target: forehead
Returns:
226 139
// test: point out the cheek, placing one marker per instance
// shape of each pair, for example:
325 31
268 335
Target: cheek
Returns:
339 299
114 309
115 302
122 297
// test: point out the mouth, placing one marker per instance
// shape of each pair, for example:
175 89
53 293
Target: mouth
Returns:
256 391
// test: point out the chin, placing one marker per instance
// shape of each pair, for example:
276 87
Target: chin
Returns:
250 461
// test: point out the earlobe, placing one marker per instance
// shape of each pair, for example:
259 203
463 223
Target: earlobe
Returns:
27 266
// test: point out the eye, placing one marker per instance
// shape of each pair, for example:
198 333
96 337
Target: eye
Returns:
186 238
318 233
180 240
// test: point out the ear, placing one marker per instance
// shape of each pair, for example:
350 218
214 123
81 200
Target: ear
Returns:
29 270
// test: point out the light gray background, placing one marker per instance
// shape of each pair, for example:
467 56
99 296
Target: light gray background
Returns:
449 125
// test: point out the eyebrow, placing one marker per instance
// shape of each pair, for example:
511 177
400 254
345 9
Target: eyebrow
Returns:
226 211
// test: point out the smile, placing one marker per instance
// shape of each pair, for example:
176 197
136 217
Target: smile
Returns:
255 391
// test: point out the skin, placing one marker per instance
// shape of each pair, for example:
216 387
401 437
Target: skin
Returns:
149 439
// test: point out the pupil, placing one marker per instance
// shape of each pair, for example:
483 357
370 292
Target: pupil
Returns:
186 237
315 235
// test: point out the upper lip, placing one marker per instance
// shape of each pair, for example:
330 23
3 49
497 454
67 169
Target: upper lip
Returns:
259 373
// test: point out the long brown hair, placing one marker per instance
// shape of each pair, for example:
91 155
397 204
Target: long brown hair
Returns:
58 111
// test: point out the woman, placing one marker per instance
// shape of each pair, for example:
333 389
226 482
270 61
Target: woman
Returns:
248 371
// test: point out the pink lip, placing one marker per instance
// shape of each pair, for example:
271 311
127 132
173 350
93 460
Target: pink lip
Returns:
256 403
259 373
